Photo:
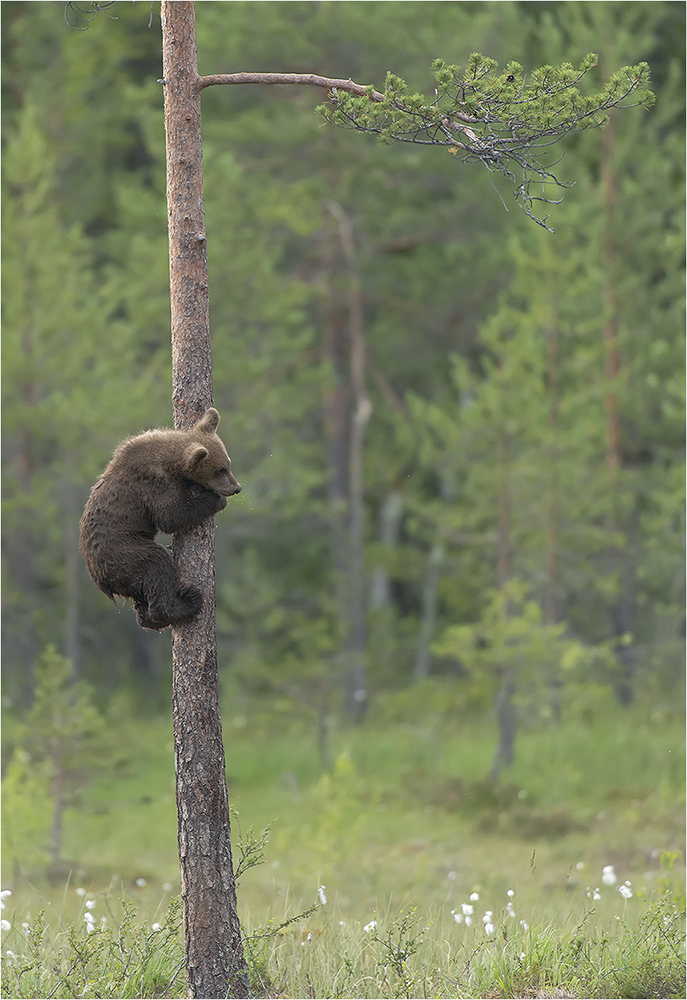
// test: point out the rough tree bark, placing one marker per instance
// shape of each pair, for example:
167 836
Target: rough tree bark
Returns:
215 963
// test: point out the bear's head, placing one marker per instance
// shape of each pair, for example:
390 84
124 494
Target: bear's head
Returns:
205 457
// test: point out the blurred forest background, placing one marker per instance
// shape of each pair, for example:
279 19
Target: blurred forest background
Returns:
487 530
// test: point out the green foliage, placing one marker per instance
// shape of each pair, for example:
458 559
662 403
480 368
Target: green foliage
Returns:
249 849
130 959
505 120
26 789
73 380
511 636
61 742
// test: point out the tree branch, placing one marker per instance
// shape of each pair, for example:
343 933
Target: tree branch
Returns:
307 79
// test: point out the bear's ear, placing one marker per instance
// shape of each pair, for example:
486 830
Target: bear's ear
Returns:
209 423
193 456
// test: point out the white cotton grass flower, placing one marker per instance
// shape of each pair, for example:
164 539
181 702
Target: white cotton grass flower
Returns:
3 896
509 909
372 926
26 927
458 917
511 893
90 904
608 876
80 891
140 882
474 896
90 922
525 926
625 890
5 925
467 909
320 893
156 927
593 893
488 926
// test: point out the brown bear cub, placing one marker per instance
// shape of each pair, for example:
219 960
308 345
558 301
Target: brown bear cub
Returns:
162 480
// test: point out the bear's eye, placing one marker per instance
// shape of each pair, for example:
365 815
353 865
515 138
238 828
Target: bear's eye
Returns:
222 472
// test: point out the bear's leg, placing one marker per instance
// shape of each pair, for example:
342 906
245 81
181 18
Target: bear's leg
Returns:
160 602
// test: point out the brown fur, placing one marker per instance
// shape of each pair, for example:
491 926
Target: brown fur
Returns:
162 480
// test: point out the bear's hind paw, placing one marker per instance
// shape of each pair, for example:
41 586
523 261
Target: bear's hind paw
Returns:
185 606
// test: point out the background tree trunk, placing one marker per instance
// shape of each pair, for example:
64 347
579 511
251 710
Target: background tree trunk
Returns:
355 686
430 606
336 423
621 559
215 963
505 709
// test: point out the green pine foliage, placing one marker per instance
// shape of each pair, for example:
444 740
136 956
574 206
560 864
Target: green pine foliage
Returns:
61 742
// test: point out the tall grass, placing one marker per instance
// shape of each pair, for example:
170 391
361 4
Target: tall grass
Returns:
636 951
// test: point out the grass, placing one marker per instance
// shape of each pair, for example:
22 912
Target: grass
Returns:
616 948
401 830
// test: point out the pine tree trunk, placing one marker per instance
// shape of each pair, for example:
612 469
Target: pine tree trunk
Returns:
622 561
505 709
551 598
430 605
72 563
505 715
215 963
355 685
336 409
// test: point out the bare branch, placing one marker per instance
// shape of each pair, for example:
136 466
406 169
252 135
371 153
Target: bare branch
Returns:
307 79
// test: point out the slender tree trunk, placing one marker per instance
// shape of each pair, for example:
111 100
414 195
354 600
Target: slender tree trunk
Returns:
72 562
505 714
390 517
612 360
430 604
56 752
336 409
551 597
622 561
22 543
503 536
505 709
215 963
355 683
